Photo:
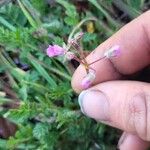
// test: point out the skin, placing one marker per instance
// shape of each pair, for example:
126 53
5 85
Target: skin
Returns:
124 97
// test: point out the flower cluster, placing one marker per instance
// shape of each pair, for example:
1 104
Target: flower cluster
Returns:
73 50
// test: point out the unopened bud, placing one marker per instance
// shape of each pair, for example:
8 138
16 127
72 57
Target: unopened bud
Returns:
113 51
88 79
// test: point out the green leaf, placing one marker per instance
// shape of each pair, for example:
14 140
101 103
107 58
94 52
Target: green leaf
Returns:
89 37
23 113
40 6
40 131
58 40
53 26
18 73
70 12
43 73
27 14
7 24
23 135
70 9
14 14
70 21
62 92
32 11
137 4
23 92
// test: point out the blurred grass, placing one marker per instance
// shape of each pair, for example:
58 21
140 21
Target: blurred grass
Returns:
35 91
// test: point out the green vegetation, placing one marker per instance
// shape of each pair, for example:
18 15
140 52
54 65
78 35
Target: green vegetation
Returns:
35 91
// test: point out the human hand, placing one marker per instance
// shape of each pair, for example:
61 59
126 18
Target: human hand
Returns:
121 104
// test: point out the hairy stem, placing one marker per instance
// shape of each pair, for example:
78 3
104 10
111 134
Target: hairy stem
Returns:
79 25
97 60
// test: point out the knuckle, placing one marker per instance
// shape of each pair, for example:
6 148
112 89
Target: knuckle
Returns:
139 109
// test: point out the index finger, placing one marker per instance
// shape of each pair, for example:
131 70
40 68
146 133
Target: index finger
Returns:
134 42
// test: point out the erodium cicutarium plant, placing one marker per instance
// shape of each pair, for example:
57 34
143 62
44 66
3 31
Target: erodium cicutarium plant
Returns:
73 50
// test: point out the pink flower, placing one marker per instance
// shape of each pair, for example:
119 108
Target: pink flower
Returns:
55 50
113 51
86 83
88 79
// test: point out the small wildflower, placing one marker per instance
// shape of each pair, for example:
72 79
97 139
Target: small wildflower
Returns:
113 51
78 54
88 79
55 50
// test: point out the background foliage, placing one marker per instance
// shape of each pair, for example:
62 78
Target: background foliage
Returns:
35 91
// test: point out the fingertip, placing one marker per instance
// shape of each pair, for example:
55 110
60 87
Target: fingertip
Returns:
77 79
132 142
74 85
94 104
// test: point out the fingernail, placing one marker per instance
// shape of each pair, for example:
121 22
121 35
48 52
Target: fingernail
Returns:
94 104
82 94
122 139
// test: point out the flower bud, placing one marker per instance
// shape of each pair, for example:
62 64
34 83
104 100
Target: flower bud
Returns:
113 51
55 50
88 79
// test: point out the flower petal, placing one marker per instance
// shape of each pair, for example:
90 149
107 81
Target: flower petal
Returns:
88 79
54 50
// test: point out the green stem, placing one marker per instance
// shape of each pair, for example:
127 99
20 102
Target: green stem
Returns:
4 100
36 85
27 14
97 60
79 25
54 70
108 30
8 58
5 62
7 24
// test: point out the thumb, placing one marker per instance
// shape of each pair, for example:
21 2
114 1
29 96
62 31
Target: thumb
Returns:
121 104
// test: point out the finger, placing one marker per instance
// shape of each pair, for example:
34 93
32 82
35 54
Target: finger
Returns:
132 142
121 104
134 43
